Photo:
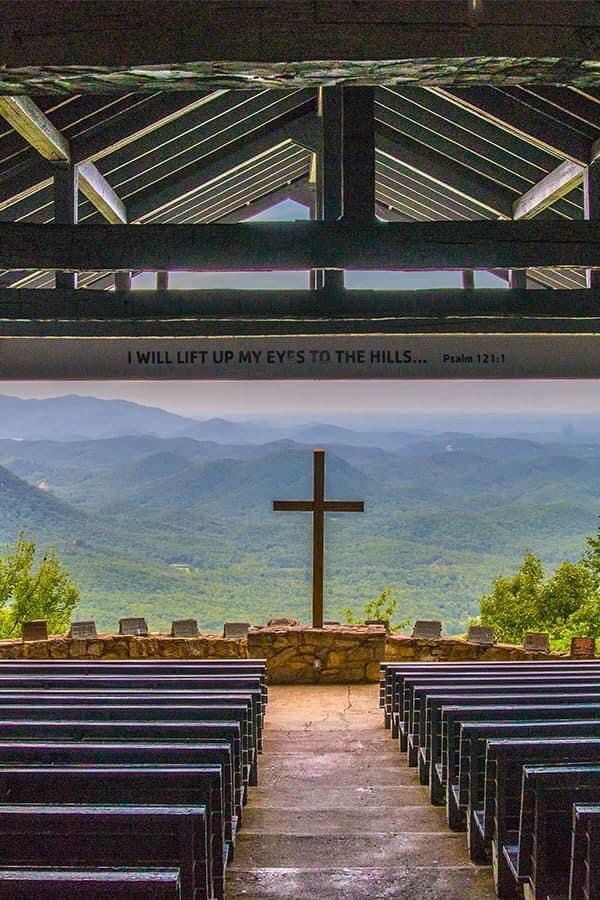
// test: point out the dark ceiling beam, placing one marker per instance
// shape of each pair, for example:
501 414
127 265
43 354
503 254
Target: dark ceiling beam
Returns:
479 133
522 120
358 154
303 130
223 305
118 132
455 177
329 175
558 183
66 206
437 138
322 326
302 245
36 128
118 33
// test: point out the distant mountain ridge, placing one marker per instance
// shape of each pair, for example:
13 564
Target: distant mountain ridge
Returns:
74 417
445 513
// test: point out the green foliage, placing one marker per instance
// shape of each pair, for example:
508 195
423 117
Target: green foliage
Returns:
382 607
439 524
25 594
566 605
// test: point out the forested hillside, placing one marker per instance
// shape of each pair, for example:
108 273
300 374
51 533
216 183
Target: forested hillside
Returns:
445 514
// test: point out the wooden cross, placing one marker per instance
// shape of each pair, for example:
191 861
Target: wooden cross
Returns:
318 506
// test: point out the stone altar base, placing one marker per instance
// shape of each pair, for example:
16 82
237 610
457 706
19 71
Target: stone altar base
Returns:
335 654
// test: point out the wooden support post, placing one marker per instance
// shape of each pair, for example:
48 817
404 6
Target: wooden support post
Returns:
66 182
123 280
329 178
162 280
358 155
517 279
318 537
468 279
591 196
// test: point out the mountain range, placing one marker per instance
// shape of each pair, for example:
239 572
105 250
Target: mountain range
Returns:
444 513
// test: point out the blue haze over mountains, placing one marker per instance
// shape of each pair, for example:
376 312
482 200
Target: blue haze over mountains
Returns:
125 492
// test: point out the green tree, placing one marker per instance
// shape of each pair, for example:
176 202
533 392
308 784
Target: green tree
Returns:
564 605
28 593
381 607
513 604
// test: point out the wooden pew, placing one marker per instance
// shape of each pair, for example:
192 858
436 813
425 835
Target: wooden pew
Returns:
394 673
240 667
542 858
142 690
95 784
210 724
162 735
425 696
250 684
418 692
473 757
172 837
153 706
397 673
411 715
171 696
498 824
446 739
36 752
584 878
89 884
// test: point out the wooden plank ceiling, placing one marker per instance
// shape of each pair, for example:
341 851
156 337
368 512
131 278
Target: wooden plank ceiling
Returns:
478 153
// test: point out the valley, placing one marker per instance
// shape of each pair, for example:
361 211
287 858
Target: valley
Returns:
166 524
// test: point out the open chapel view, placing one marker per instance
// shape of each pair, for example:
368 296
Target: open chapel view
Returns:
299 449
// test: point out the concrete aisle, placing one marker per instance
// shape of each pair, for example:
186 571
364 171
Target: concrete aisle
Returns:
337 812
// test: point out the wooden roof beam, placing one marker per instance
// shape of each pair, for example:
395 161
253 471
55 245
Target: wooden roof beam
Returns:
121 132
556 184
35 127
25 116
117 33
98 191
302 245
146 204
30 304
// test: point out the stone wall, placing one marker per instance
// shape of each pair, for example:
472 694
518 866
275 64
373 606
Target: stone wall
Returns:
346 654
330 655
118 646
399 649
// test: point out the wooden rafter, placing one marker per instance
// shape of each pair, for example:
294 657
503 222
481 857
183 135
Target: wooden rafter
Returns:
159 113
556 184
522 121
23 114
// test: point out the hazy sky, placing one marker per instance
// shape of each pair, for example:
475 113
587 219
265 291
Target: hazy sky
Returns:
323 399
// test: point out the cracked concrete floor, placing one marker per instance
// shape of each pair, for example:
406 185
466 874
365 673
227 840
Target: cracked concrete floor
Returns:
337 812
